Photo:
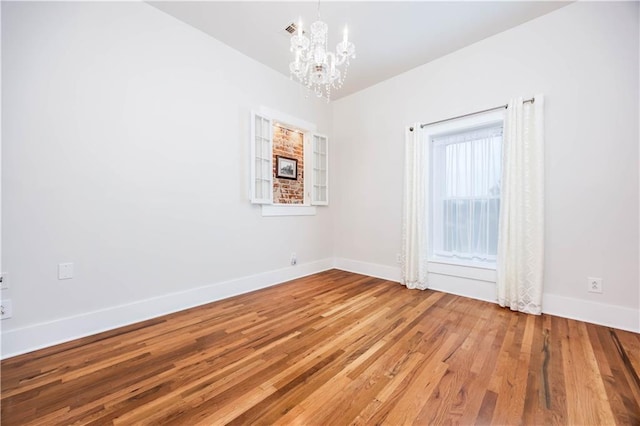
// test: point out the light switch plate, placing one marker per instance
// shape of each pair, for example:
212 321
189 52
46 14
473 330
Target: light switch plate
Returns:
65 271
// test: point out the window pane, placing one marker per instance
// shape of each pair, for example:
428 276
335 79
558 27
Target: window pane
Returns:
465 194
258 124
258 186
258 170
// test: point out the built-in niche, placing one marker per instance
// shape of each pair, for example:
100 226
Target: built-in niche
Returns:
288 153
289 172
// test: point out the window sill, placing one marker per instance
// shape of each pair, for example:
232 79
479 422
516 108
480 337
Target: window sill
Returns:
288 210
476 272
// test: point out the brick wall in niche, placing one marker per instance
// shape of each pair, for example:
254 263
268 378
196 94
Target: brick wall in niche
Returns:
288 143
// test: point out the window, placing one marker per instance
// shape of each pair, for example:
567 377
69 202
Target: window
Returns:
466 169
274 135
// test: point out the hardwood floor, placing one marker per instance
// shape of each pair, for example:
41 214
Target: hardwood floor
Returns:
330 349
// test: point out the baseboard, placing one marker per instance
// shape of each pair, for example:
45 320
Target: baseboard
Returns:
384 272
460 286
615 316
38 336
475 289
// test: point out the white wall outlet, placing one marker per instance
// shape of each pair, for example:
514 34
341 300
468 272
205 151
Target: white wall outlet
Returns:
65 271
398 258
594 285
6 309
294 259
4 280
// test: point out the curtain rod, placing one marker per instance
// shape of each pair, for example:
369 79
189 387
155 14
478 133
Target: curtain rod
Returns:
532 100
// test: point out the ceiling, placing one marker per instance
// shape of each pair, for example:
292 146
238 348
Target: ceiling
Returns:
390 37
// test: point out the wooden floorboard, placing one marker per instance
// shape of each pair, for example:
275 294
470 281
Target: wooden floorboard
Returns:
333 348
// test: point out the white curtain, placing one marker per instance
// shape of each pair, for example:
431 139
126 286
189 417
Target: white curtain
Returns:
414 223
467 168
521 227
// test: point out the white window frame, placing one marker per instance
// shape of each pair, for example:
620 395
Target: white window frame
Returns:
464 267
308 130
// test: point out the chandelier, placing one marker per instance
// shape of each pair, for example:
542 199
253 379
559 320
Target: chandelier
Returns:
314 65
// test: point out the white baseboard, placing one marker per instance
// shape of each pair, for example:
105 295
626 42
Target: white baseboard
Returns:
619 317
467 287
38 336
614 316
384 272
445 282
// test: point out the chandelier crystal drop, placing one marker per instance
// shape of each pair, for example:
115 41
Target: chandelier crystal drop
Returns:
314 65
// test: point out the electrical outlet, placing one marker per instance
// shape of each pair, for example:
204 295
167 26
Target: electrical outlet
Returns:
65 271
294 259
6 309
4 280
594 285
398 258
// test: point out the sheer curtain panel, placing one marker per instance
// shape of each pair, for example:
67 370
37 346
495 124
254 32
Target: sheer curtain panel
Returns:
467 168
414 224
521 229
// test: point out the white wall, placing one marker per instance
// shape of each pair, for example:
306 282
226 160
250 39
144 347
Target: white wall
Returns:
584 59
125 151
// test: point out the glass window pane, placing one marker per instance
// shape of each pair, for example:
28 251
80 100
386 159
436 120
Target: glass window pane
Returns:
258 124
465 190
258 170
258 186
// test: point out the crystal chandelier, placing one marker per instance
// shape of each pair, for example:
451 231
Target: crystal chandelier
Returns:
315 66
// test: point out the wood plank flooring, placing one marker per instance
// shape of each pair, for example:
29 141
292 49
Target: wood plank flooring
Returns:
334 348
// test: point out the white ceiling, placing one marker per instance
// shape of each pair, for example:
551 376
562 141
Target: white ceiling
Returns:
390 37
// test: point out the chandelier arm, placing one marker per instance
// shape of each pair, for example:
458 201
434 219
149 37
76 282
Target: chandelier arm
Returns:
331 58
